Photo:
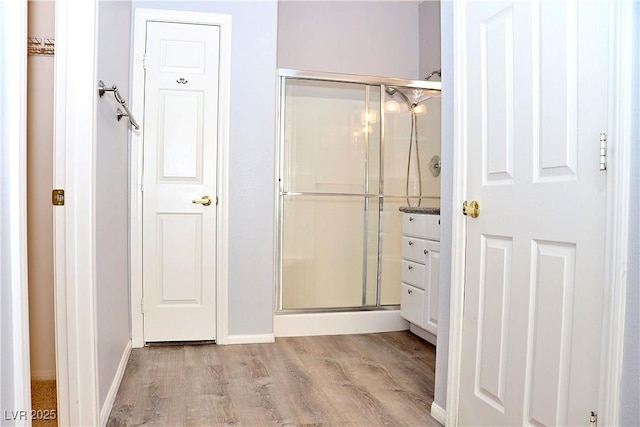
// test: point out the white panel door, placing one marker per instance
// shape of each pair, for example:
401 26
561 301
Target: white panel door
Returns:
180 143
535 85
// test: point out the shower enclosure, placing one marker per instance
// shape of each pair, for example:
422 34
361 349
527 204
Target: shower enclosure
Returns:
352 150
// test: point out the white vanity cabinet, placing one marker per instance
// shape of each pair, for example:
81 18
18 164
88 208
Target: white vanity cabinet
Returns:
420 273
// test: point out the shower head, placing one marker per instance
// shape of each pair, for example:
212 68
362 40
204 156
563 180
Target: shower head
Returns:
394 91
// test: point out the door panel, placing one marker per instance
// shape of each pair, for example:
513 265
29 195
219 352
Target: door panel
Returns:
553 283
497 83
556 145
494 309
180 138
535 270
180 144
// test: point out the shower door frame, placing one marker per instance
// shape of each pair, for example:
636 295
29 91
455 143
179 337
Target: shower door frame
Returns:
365 80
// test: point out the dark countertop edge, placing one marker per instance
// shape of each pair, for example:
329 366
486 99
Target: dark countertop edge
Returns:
420 210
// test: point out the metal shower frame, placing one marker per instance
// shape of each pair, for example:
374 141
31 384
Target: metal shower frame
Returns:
368 81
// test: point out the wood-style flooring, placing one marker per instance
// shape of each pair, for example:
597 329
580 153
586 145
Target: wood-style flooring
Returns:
347 380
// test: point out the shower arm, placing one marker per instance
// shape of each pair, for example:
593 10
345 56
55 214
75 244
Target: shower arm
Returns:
434 73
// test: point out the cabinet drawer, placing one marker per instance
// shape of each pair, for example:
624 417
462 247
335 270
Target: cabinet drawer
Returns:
413 273
412 304
414 249
414 225
432 227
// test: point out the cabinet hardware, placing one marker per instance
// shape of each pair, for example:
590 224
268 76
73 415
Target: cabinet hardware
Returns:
426 251
409 291
410 242
410 219
411 267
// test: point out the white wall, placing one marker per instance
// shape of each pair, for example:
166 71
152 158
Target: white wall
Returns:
446 205
251 158
630 389
112 274
429 42
14 345
39 185
378 38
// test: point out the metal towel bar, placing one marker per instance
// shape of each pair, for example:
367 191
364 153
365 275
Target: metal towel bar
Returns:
119 114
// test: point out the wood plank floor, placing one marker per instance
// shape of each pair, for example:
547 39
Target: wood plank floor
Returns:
347 380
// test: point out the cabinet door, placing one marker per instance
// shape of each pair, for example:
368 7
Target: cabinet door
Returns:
432 273
412 304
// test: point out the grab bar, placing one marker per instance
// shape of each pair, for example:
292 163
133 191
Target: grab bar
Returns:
119 114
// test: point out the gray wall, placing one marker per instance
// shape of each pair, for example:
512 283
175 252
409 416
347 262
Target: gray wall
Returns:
429 38
376 38
112 154
630 388
251 157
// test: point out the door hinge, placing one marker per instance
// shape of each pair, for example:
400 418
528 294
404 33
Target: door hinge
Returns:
142 183
603 151
144 61
142 305
594 419
57 197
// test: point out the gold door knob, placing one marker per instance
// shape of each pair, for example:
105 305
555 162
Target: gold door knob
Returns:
204 201
472 209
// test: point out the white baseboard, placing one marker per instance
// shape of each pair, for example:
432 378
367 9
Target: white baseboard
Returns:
438 413
115 385
340 323
43 375
250 339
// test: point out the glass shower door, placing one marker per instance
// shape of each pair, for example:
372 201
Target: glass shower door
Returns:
329 195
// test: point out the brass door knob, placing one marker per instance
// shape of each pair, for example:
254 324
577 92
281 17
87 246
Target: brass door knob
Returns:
204 201
471 209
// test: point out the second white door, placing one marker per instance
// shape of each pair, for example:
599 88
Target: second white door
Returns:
536 102
179 182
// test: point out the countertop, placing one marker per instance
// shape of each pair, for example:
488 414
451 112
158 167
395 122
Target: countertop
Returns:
420 210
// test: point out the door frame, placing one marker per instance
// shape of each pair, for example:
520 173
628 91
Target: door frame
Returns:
74 224
142 16
620 95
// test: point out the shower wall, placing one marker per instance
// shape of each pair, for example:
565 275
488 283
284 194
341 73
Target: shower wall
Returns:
343 182
397 131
